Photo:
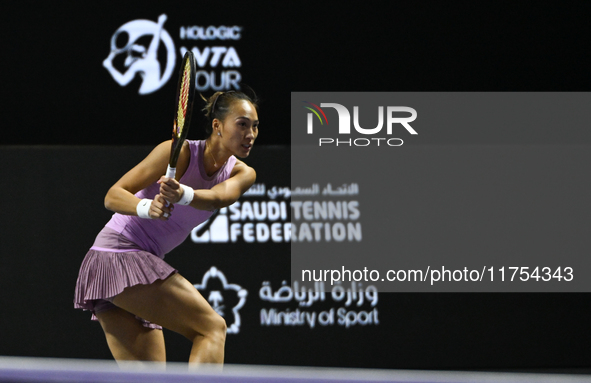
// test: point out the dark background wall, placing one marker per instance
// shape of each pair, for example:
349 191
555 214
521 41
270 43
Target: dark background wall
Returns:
56 90
69 131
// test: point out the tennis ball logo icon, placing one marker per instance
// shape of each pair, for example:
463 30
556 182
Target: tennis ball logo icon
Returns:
130 58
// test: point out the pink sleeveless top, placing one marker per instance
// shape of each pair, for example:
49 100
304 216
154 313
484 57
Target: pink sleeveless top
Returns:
159 237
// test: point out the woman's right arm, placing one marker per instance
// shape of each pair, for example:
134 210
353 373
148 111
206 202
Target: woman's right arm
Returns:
121 199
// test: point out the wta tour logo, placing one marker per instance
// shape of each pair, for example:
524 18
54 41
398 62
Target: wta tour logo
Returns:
137 44
394 116
225 298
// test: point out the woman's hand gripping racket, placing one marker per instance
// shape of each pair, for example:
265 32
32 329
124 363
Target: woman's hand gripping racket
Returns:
185 95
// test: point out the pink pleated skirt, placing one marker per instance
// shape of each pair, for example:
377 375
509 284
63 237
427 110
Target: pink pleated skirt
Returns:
112 264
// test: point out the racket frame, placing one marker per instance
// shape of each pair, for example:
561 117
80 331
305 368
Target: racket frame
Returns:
179 135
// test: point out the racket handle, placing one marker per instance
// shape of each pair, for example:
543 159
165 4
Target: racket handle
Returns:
170 172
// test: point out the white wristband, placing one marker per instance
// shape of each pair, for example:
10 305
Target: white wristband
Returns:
143 208
188 195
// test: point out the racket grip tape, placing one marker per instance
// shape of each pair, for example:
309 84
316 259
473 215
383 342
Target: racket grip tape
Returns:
170 172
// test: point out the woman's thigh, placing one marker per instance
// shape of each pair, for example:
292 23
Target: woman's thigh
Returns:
173 303
128 339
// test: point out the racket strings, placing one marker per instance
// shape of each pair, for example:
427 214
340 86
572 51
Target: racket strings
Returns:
184 98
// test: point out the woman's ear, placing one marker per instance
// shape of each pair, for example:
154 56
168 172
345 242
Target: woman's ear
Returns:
216 125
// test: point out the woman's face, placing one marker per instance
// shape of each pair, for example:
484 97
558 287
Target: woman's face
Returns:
240 128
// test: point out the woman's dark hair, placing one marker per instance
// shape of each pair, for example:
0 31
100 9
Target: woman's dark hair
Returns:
218 105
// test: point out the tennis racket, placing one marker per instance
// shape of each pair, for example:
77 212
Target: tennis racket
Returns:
185 95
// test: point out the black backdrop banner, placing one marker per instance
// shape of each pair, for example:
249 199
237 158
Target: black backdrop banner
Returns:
57 89
245 277
74 121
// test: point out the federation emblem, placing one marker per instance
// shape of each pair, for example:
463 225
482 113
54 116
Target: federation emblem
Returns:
215 229
140 59
225 298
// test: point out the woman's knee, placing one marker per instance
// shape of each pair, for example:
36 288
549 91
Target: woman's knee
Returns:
219 326
213 326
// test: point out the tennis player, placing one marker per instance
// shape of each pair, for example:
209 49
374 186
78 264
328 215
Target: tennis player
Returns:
124 280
